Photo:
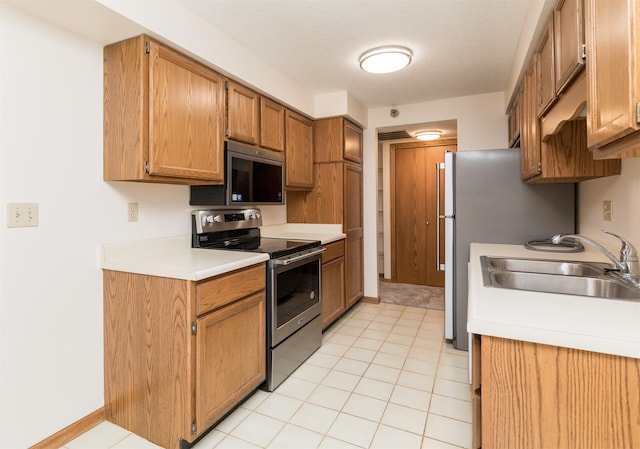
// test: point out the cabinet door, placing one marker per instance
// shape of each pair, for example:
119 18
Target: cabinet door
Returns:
230 357
568 29
243 110
545 71
530 128
299 152
514 121
332 291
186 103
272 116
541 396
352 142
353 228
613 84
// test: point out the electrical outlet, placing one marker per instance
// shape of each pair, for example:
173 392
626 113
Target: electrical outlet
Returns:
607 210
132 212
21 215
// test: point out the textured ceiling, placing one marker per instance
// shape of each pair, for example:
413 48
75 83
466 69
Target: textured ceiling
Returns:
460 47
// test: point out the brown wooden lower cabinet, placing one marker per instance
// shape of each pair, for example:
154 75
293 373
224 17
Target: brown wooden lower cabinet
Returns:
333 285
180 354
540 396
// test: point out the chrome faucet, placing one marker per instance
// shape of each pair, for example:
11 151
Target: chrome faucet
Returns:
627 265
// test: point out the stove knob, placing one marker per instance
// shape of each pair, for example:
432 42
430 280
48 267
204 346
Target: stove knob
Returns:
258 216
213 218
252 217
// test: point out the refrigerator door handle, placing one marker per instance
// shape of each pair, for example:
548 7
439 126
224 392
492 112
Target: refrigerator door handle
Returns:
439 167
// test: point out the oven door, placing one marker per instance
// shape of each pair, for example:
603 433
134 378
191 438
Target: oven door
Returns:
295 296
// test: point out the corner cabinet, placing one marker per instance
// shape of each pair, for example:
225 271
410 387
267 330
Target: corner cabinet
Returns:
163 115
613 77
528 395
180 354
298 152
336 196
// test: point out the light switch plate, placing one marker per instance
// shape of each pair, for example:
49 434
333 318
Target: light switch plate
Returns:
22 215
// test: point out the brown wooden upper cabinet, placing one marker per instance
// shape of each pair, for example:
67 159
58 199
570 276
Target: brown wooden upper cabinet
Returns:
243 113
545 71
272 124
342 141
163 115
298 152
613 77
530 161
352 142
568 26
514 121
560 52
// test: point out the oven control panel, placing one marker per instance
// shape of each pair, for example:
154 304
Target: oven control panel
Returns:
213 220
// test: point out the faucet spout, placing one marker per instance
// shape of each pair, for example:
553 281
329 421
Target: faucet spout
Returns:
627 265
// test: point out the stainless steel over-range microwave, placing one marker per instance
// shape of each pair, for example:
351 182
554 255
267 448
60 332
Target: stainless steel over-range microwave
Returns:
252 176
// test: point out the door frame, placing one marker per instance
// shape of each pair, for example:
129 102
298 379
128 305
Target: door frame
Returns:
392 182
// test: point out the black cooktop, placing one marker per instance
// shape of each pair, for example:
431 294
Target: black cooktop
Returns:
251 241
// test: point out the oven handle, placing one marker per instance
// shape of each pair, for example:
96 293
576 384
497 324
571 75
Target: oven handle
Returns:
282 262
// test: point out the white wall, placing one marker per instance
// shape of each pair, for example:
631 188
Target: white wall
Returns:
482 125
50 278
624 191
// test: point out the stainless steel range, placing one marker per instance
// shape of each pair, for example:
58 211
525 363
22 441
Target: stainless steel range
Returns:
294 325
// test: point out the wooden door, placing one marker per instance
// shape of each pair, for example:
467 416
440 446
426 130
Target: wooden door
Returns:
354 271
243 111
298 151
230 357
529 127
271 125
185 126
568 28
613 84
545 71
352 142
414 236
333 283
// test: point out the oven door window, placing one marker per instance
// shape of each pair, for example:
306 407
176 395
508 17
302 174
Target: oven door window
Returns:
297 292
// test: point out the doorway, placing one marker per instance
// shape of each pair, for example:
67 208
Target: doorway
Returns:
417 198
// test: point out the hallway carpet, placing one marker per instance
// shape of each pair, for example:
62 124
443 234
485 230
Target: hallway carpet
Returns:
411 295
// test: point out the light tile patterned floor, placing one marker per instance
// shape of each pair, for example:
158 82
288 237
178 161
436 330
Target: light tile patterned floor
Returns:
384 378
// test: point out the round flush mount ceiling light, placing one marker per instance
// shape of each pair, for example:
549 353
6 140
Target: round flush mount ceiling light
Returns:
387 59
428 135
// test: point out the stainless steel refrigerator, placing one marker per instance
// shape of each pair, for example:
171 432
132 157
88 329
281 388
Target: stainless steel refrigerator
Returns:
487 202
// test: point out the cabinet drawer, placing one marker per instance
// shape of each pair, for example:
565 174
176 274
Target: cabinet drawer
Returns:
227 288
333 251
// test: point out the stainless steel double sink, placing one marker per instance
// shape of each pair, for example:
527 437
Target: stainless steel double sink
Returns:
595 279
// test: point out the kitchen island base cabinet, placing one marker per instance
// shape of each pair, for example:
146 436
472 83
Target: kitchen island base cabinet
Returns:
175 363
540 396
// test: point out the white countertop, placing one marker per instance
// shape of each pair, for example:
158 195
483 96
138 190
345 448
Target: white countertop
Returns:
326 233
591 324
173 257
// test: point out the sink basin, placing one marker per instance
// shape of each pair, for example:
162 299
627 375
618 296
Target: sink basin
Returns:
564 267
600 287
551 276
